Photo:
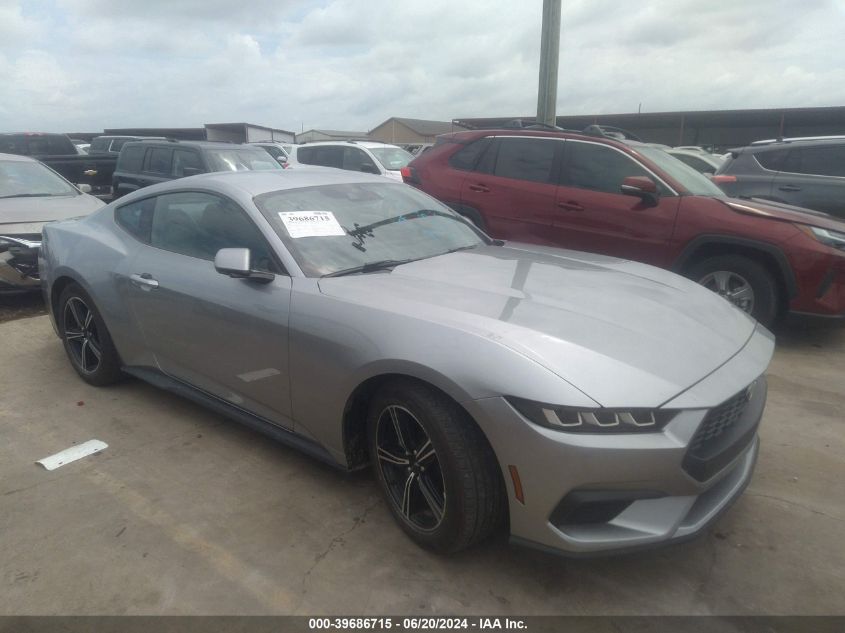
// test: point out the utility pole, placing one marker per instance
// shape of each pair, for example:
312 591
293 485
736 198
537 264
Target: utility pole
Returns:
549 54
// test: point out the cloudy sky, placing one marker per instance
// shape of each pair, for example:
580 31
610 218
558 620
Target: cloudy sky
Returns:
85 65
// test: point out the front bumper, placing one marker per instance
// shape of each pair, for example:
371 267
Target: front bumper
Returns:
18 264
587 494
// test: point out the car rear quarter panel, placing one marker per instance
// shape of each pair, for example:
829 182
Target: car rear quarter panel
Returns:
96 254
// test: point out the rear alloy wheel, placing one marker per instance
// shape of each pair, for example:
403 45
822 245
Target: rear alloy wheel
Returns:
86 339
434 466
742 281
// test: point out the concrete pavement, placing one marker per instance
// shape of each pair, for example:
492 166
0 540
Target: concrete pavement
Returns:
187 513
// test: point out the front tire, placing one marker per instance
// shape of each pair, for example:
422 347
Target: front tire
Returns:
742 281
434 466
86 339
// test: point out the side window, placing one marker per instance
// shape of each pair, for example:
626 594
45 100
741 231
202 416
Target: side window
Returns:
354 159
467 158
131 158
599 168
526 158
118 143
307 155
158 160
200 224
697 164
773 161
274 151
330 156
825 160
99 145
320 155
183 158
136 219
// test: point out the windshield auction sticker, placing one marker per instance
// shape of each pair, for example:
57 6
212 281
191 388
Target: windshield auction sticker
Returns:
311 223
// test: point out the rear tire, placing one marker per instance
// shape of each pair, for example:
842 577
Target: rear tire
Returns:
438 473
86 339
742 281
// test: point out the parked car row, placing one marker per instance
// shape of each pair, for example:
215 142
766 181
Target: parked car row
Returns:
58 152
627 199
488 376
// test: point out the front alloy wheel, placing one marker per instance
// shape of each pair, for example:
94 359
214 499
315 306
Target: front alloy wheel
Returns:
435 467
410 468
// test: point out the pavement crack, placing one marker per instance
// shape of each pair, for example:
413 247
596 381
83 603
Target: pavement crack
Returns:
794 503
337 540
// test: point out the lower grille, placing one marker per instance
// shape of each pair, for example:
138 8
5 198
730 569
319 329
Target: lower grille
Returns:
719 420
725 432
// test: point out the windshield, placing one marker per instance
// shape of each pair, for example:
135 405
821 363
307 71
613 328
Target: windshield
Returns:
22 178
695 183
241 159
336 227
393 158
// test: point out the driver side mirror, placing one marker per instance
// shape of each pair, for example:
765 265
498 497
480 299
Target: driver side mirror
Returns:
237 263
191 171
642 187
368 168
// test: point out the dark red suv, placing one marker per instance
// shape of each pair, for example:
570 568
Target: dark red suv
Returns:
634 201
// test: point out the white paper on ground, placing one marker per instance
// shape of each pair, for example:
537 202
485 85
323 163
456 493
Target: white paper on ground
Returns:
72 454
311 223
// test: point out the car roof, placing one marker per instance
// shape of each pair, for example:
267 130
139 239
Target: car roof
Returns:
471 135
176 143
774 145
367 144
17 158
255 183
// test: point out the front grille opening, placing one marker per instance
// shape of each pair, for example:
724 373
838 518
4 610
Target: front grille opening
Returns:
719 420
725 432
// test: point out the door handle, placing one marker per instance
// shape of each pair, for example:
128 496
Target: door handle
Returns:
90 172
570 206
144 280
789 188
479 188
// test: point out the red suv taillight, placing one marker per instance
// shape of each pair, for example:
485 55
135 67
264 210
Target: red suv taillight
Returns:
410 175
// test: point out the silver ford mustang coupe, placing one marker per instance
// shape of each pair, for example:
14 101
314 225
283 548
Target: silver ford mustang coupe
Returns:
588 403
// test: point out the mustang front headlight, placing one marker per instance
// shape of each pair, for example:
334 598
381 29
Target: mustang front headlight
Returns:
828 237
574 420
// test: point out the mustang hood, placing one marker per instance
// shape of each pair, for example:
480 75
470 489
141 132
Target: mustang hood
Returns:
624 333
19 216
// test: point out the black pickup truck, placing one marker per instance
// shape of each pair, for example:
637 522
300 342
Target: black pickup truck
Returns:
59 153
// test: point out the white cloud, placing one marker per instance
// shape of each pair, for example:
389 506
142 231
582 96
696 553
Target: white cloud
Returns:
90 64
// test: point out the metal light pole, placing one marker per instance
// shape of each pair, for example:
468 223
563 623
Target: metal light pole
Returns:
549 53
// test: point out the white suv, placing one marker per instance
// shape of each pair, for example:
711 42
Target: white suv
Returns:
367 156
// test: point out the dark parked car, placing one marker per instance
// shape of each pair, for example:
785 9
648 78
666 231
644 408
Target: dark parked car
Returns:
113 144
633 201
59 153
143 163
804 172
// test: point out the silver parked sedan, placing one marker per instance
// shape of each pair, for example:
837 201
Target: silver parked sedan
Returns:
31 194
592 404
